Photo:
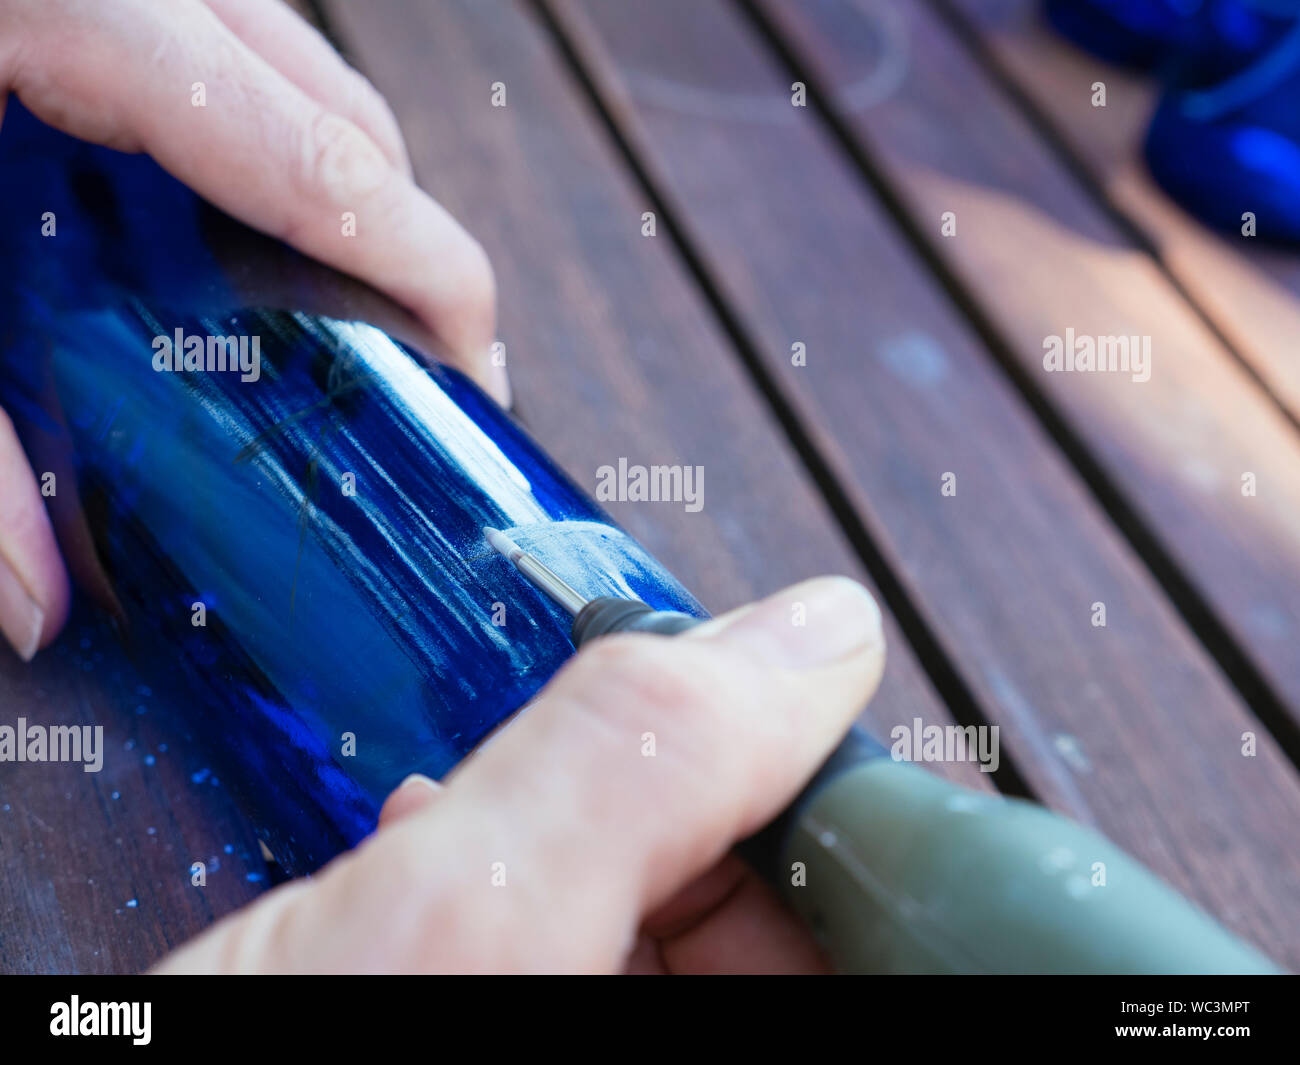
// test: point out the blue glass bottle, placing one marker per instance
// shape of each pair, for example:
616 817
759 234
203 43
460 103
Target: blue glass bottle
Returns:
302 532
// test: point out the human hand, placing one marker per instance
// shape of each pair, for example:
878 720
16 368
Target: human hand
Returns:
561 846
289 138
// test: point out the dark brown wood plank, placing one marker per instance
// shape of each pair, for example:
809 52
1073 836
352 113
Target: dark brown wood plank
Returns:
1249 290
95 867
1129 726
611 352
1039 256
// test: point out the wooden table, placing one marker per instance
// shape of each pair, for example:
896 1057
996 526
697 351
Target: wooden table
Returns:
804 325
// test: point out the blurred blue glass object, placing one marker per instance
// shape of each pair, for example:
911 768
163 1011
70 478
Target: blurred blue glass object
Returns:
1233 149
1188 41
1225 139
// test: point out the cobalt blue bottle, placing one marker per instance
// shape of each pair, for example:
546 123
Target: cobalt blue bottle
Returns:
287 503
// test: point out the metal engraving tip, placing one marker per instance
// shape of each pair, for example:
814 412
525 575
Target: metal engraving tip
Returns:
502 543
536 573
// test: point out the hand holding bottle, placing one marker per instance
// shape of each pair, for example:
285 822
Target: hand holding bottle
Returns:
249 106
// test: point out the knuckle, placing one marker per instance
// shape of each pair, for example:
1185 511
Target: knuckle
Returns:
338 159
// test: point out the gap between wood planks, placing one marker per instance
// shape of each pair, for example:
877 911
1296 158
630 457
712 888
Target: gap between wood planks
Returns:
1264 702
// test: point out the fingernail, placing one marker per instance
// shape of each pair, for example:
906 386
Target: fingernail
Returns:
816 623
420 780
500 386
21 618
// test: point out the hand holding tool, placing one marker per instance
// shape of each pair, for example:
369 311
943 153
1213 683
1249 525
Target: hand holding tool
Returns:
897 870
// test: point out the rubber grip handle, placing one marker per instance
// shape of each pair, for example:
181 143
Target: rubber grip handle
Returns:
897 870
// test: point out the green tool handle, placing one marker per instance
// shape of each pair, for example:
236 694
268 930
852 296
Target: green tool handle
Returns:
897 870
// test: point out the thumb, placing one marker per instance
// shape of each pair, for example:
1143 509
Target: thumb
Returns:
647 758
644 760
